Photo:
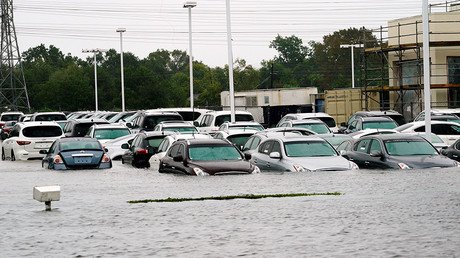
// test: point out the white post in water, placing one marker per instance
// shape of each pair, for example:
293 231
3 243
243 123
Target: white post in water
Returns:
47 194
426 68
230 63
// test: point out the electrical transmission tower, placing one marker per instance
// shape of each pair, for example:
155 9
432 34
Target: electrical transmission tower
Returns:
13 90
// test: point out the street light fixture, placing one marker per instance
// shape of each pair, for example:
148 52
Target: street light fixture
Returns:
95 51
352 46
189 5
121 30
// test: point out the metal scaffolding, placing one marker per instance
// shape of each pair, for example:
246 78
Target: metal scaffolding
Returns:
13 90
394 65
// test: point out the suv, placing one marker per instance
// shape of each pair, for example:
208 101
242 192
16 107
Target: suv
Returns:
147 120
211 121
176 126
48 116
27 139
379 122
451 115
9 116
79 128
397 117
326 118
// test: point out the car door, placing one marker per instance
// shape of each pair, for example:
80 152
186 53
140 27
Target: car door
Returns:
128 156
359 153
261 158
167 164
375 162
178 167
276 164
449 133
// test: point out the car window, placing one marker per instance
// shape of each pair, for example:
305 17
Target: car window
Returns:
343 146
218 136
247 145
173 151
110 133
51 117
42 131
309 149
375 146
226 118
409 148
328 120
154 141
276 147
362 145
445 129
163 145
457 146
255 143
265 147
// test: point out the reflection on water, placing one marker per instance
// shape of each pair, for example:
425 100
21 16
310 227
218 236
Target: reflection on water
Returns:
382 213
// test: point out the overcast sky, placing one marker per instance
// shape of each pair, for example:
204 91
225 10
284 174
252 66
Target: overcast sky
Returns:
163 24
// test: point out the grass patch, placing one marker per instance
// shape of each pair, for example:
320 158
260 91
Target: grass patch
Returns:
231 197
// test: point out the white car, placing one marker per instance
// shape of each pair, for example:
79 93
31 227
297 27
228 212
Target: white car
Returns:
236 136
366 132
211 121
326 118
449 132
241 125
27 139
107 132
113 147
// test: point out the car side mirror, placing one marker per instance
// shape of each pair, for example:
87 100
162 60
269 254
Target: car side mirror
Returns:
247 156
275 155
129 124
106 150
43 152
376 154
343 124
195 123
178 158
125 146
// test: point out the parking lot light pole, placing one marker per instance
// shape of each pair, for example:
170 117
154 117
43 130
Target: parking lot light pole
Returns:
121 30
352 46
230 62
95 51
189 6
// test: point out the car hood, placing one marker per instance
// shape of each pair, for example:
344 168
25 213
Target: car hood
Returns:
224 166
331 163
424 161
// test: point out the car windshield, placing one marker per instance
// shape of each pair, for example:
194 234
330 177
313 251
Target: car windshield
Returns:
155 141
181 129
189 115
379 125
409 148
110 133
10 117
317 128
239 139
42 131
309 149
226 118
214 152
328 120
55 117
79 145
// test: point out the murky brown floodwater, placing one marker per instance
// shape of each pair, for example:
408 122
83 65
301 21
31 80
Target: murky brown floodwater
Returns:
382 213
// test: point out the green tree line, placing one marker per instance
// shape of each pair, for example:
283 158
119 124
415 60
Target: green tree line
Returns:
56 81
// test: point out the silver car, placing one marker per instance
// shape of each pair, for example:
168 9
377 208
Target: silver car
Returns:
299 154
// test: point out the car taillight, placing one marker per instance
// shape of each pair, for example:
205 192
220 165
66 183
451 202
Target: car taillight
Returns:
105 158
6 130
57 160
23 142
142 152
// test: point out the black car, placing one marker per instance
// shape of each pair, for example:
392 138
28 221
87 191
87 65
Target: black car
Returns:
79 127
147 120
453 151
76 153
396 151
142 147
204 157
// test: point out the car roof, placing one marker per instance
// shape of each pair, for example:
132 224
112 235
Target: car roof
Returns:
377 113
38 123
114 126
90 120
309 115
307 121
239 123
210 141
227 112
418 123
376 118
75 139
394 136
156 133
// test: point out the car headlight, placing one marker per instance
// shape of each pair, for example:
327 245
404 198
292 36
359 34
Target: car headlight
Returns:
256 170
403 166
299 168
353 166
200 172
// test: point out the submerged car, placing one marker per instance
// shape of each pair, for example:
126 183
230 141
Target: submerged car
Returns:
452 151
76 153
396 151
204 157
299 154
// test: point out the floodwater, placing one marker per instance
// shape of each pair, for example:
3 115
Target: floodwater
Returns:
381 213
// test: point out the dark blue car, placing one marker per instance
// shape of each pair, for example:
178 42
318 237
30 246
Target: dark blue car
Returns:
76 153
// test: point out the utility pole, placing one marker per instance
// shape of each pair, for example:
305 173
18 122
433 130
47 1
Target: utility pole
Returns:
271 76
13 90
